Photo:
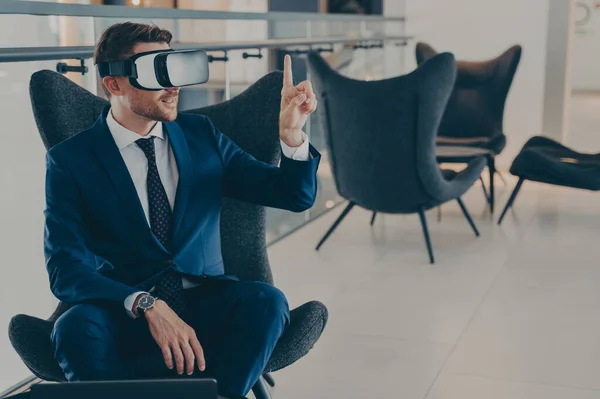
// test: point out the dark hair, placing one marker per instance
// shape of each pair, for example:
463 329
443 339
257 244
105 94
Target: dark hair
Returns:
117 42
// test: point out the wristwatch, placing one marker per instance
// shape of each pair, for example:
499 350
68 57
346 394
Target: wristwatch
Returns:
145 303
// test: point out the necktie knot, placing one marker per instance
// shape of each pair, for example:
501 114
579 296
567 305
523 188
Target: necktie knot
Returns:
147 145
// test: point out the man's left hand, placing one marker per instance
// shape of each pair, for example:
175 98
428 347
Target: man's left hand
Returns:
297 102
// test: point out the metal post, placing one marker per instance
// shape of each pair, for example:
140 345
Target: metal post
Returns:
557 93
363 29
227 79
308 128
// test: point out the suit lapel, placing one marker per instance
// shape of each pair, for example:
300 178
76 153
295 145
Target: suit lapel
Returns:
110 157
184 166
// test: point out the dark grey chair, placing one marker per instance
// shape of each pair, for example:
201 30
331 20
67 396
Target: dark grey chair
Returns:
547 161
475 112
62 109
381 140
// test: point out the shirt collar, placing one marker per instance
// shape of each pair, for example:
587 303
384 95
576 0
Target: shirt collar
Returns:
124 137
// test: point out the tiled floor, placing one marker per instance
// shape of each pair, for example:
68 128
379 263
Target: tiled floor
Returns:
513 314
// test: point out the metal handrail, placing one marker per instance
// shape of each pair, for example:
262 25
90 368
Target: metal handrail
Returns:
103 11
22 54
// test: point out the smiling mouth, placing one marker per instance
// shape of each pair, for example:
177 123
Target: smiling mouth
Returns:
170 100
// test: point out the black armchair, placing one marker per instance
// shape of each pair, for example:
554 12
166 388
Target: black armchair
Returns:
475 112
381 140
251 119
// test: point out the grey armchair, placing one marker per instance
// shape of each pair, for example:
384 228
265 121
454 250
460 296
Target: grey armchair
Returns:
62 109
381 140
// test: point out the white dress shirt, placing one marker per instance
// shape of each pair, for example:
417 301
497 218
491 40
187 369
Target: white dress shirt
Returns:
137 165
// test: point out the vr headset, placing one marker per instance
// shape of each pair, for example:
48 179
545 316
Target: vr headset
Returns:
160 69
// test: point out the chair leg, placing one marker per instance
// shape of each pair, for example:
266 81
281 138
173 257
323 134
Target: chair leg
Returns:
511 200
467 215
269 379
492 168
260 390
426 234
439 213
373 218
335 224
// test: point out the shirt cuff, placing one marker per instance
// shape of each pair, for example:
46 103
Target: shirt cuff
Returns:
130 301
300 153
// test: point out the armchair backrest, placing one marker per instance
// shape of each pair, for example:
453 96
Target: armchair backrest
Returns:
476 107
381 134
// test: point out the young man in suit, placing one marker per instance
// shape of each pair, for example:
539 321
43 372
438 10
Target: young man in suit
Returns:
132 233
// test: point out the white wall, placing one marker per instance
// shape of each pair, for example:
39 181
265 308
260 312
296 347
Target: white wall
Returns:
585 66
482 29
23 279
557 82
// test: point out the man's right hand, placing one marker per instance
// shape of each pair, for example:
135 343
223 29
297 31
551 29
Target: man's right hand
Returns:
177 341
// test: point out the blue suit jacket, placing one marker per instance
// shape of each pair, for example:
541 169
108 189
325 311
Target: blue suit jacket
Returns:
97 242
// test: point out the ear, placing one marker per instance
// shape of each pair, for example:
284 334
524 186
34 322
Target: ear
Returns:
113 85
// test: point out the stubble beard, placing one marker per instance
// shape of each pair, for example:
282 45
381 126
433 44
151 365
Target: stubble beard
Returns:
153 111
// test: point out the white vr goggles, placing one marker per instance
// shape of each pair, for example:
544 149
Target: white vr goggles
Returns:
160 69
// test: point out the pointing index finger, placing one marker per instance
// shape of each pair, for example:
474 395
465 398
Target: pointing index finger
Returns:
288 79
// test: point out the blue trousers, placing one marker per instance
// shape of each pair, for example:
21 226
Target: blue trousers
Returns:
237 324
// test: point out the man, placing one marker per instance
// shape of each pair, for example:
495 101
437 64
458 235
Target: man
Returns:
132 233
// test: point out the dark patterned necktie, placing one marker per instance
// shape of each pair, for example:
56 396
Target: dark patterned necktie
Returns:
170 287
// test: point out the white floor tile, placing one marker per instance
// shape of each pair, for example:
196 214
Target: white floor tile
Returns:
357 367
452 386
540 323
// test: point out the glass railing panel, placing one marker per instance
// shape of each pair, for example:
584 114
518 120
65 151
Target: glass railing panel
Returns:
23 279
68 1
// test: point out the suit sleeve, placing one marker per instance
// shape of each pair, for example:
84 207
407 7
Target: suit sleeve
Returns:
70 264
291 186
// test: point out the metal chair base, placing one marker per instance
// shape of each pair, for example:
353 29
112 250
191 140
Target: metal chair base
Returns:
421 217
260 389
511 200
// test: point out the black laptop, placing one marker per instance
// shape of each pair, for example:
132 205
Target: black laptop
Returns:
146 389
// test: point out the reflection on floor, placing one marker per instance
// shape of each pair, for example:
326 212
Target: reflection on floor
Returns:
512 314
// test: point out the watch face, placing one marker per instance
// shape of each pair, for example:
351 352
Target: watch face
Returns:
146 302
